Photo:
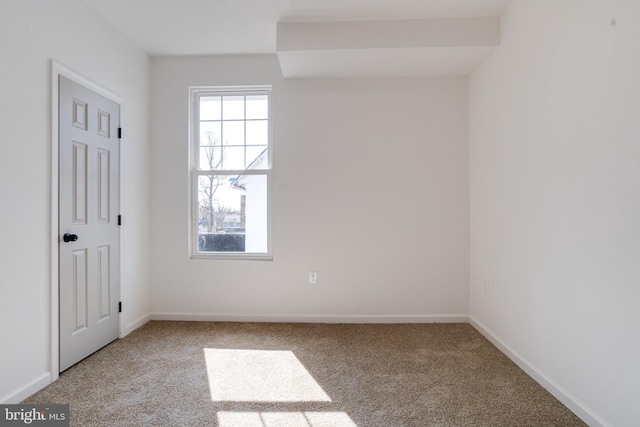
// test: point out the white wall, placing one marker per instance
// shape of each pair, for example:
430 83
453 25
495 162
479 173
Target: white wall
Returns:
555 199
370 189
31 33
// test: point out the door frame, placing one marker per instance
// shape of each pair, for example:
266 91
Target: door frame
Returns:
58 70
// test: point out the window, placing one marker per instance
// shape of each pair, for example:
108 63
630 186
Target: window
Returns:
230 172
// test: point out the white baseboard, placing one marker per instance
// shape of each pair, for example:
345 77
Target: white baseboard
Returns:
313 318
26 390
567 399
134 325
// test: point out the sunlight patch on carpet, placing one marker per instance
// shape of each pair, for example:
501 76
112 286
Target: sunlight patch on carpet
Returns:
284 419
260 376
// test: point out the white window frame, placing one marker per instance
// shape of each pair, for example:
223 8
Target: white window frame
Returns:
195 93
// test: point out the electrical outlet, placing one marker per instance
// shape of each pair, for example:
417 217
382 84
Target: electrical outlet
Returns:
486 285
313 277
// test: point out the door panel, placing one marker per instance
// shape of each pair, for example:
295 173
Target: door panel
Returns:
79 283
104 180
79 170
88 192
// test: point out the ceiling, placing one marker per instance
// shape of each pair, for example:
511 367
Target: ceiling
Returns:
218 27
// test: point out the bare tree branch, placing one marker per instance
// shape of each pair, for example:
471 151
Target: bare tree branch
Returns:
211 212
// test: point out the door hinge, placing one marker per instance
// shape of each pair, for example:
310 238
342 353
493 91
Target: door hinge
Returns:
119 219
120 307
119 133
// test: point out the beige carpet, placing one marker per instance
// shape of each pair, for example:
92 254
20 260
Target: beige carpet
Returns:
310 375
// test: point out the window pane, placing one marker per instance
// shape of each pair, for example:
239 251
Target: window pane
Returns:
257 157
210 133
232 213
258 132
232 107
233 158
233 133
210 158
210 108
257 107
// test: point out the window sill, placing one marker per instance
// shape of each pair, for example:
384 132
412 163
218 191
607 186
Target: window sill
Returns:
236 256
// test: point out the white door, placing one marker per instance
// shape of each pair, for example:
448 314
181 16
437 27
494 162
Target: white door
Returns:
89 248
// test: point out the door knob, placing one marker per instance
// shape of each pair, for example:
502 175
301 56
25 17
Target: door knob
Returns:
68 237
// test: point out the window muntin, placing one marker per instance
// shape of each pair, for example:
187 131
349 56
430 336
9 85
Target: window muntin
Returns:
231 172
